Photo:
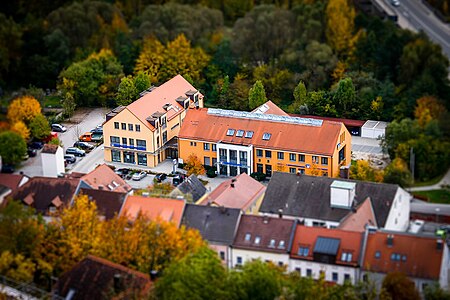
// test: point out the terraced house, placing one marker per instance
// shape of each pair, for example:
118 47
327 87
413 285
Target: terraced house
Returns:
145 132
236 142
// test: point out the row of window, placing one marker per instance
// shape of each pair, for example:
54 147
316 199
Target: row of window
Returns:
131 127
394 256
240 133
128 141
292 156
334 275
345 256
207 146
129 157
272 243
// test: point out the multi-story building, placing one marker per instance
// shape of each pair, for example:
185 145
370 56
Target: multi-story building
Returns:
145 132
236 142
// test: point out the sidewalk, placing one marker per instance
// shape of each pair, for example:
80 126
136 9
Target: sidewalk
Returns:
445 181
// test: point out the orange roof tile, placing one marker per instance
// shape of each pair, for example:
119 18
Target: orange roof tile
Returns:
103 177
199 125
245 192
167 93
170 210
357 221
350 242
416 256
270 108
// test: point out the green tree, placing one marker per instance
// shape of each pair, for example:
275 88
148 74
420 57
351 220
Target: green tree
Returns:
345 98
256 95
223 91
9 52
397 172
199 275
126 92
68 105
141 82
435 292
16 267
300 98
398 286
12 147
238 94
39 127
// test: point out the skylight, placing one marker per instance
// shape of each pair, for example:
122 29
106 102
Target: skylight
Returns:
239 133
257 240
248 236
230 132
249 134
266 136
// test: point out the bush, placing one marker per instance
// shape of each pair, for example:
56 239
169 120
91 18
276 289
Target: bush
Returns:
181 166
258 176
211 173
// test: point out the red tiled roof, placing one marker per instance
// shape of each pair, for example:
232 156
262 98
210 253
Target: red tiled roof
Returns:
347 122
169 210
350 242
245 192
270 108
266 229
417 256
103 177
199 125
357 221
11 181
167 93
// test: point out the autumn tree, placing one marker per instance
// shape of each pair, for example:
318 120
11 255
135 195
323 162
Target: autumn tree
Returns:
22 129
39 127
256 95
397 172
151 59
12 147
397 285
194 165
16 266
340 25
23 109
428 108
361 170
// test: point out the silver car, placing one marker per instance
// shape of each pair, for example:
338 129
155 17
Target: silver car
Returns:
139 176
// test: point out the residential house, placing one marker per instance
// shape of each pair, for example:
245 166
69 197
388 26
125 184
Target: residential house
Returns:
145 132
242 192
4 191
52 157
430 212
108 203
47 195
424 259
98 278
327 202
269 108
155 209
104 178
262 237
243 142
332 253
13 181
191 189
217 225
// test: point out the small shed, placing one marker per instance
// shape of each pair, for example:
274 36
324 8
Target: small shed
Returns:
52 160
373 129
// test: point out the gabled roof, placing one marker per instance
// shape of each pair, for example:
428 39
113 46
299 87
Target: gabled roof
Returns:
239 192
43 190
309 197
104 178
193 186
288 136
154 101
358 219
108 202
333 241
12 181
269 108
273 234
97 278
165 209
416 256
215 224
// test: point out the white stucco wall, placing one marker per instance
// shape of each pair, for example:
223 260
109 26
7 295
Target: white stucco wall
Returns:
398 218
316 268
249 255
53 164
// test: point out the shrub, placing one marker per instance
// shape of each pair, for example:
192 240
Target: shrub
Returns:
258 176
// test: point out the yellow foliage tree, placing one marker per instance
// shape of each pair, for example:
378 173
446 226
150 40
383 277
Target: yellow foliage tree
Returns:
194 165
16 266
340 25
151 59
428 108
21 129
361 170
339 71
23 109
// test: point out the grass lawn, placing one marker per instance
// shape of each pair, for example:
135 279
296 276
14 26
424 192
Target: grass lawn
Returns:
436 196
52 101
429 182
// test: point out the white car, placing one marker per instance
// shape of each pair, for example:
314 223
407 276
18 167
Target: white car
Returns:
58 128
139 176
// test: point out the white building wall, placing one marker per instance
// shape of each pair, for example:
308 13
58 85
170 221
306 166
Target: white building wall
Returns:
53 164
443 277
302 266
398 218
249 255
228 147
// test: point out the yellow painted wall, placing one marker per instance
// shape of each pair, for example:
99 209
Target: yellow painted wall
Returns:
347 142
185 149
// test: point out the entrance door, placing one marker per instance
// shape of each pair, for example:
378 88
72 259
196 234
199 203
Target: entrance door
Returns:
128 157
268 170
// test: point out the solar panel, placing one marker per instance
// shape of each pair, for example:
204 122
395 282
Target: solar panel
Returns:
264 117
327 246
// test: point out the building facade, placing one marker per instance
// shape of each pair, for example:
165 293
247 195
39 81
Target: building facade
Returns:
145 132
236 142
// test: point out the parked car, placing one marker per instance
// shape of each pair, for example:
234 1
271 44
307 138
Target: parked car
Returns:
7 168
36 145
83 145
58 128
26 156
139 176
31 152
98 129
160 177
70 158
75 151
179 178
125 173
395 2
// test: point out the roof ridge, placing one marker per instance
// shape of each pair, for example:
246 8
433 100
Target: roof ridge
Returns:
115 265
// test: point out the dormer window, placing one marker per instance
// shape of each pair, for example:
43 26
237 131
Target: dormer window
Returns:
257 240
346 256
281 245
303 251
248 236
272 243
240 133
266 136
230 132
249 134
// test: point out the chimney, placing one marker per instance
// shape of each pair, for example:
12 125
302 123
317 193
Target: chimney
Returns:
390 240
265 219
118 283
280 213
439 244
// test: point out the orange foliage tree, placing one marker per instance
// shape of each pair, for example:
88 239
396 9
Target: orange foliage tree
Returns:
428 108
22 129
23 109
194 165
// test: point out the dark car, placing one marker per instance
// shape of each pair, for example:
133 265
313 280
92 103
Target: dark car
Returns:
70 158
75 151
124 173
160 177
7 168
36 145
83 145
31 152
179 178
58 128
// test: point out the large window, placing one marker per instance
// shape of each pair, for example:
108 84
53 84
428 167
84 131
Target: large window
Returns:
207 161
259 168
233 157
303 251
301 158
292 170
206 146
324 160
315 159
142 144
223 154
128 157
243 157
115 156
291 156
115 140
342 154
142 159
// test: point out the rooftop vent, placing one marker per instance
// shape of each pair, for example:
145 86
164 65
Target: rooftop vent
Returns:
342 194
